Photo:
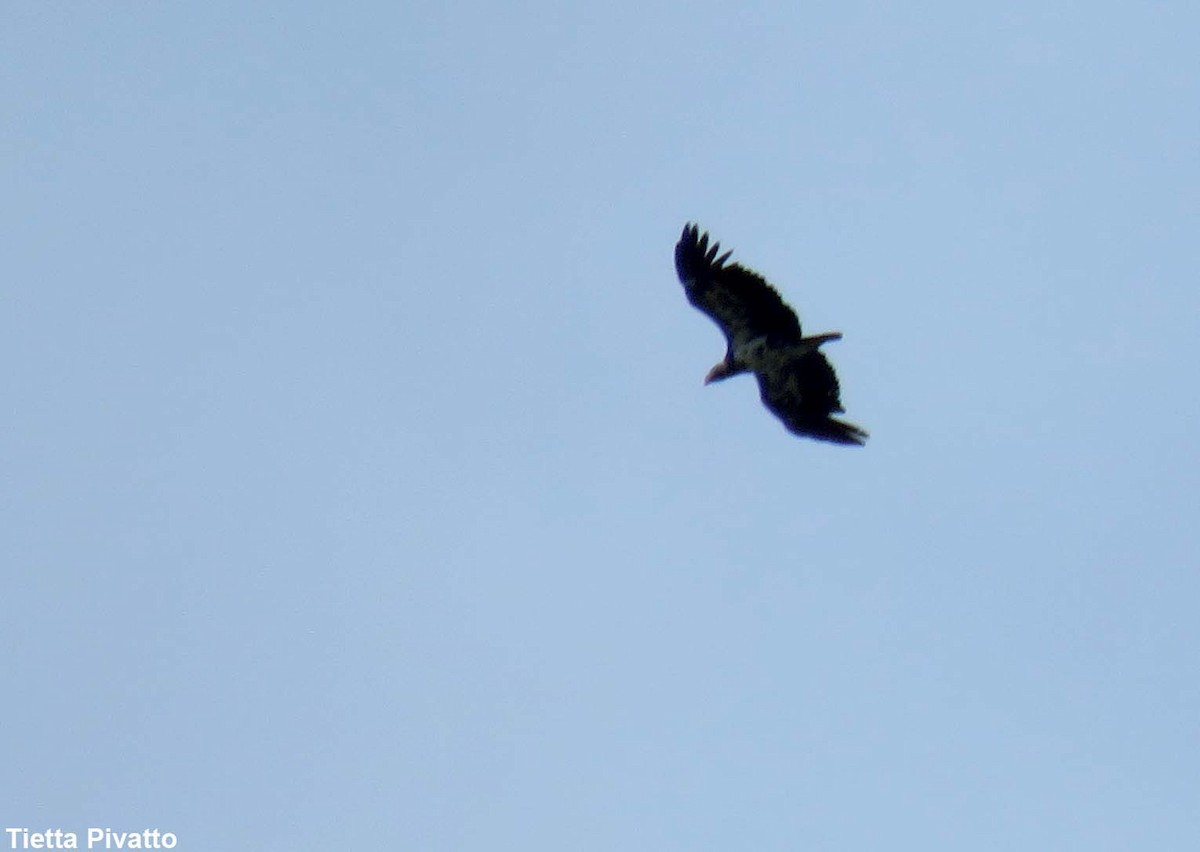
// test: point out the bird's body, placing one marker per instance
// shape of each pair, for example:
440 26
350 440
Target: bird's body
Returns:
763 337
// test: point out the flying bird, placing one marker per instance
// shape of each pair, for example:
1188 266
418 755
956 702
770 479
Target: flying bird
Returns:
763 337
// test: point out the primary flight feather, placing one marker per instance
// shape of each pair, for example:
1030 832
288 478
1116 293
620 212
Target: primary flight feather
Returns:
763 337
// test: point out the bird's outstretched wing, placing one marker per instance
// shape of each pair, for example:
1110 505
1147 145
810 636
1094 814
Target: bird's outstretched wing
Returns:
803 394
743 304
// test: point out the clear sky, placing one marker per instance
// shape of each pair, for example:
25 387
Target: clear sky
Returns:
359 489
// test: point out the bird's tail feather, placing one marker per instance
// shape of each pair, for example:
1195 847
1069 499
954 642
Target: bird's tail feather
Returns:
811 344
817 339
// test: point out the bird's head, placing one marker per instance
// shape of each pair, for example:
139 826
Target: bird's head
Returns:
720 372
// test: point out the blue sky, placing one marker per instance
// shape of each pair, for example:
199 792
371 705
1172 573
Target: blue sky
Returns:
360 490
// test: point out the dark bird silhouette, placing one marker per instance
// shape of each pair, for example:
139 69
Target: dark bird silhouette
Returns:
763 337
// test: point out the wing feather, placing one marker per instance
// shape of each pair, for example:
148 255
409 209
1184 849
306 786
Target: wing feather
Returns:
803 394
739 300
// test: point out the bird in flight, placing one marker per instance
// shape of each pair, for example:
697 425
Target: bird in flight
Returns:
763 337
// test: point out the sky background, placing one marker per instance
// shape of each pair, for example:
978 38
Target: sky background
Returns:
359 489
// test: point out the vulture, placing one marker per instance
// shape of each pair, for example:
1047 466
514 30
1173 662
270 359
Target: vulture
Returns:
763 337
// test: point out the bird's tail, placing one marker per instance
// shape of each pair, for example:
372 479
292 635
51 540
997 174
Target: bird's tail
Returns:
811 344
817 339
